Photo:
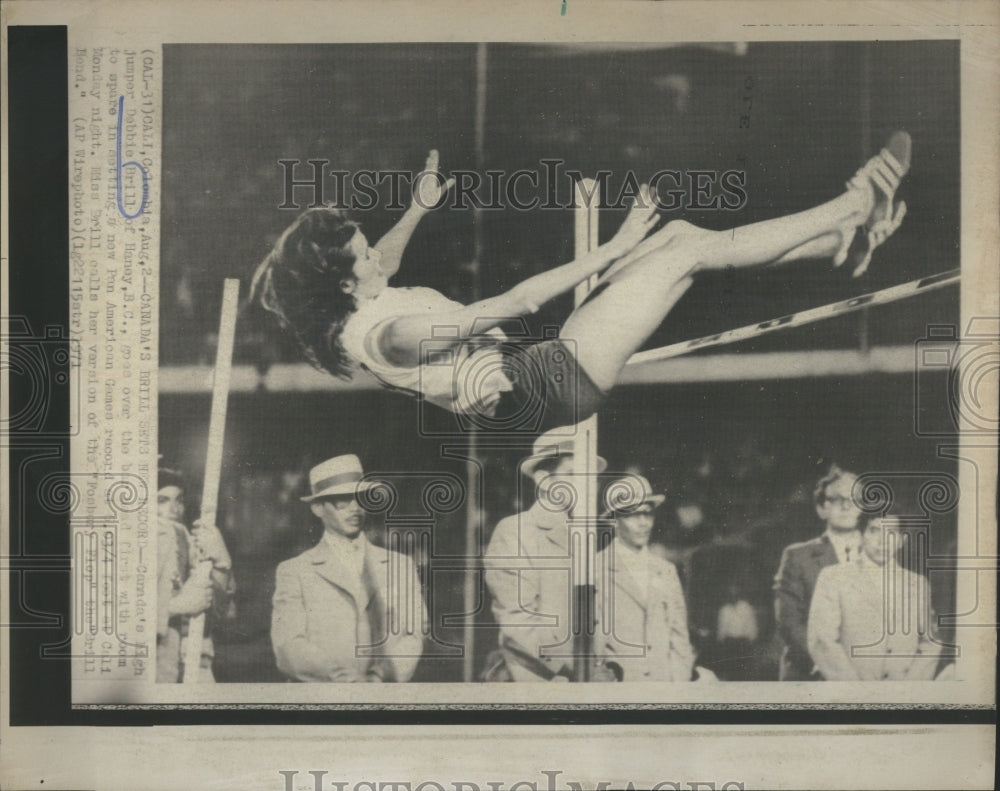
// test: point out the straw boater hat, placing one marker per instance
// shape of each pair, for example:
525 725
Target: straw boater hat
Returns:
337 477
553 444
627 494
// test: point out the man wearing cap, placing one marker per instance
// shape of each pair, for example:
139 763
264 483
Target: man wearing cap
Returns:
801 564
346 610
871 619
648 633
193 576
528 568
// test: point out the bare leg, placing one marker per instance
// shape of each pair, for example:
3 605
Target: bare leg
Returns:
815 233
643 286
608 329
868 205
771 240
612 326
824 246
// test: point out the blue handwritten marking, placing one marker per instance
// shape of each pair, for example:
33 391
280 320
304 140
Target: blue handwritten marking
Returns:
562 11
122 165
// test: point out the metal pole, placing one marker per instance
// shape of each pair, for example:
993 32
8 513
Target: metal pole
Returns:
583 541
866 152
473 526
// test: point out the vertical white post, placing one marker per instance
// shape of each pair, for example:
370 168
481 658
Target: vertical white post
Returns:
213 459
474 528
583 541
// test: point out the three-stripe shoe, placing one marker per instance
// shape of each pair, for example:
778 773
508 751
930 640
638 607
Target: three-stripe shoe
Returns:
881 176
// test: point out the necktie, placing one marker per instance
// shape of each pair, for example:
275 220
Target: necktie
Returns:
847 554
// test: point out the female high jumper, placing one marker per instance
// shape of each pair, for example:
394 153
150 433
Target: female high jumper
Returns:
330 289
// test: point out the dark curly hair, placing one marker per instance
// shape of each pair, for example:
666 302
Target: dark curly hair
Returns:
167 477
301 280
834 474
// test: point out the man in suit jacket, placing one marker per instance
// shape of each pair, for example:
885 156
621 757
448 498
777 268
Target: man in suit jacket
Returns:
528 570
801 564
871 619
647 632
346 610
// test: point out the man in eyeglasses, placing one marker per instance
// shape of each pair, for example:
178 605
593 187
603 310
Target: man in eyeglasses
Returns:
334 604
801 564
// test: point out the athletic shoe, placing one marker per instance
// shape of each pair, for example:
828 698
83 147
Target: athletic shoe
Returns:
881 176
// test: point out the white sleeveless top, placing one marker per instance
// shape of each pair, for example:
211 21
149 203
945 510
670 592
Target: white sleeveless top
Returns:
453 378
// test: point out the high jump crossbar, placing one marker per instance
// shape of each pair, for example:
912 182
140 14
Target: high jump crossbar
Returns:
882 297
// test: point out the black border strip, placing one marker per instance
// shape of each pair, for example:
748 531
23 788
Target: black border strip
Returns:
38 294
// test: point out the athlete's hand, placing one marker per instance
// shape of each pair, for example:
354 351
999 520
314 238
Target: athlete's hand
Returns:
193 598
429 186
211 546
641 218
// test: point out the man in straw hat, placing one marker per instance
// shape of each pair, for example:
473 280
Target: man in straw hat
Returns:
648 635
528 570
340 608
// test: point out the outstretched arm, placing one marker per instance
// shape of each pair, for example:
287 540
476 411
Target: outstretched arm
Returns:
427 191
400 340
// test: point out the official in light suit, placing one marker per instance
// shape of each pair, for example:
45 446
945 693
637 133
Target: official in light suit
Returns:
801 564
346 610
871 619
641 598
528 570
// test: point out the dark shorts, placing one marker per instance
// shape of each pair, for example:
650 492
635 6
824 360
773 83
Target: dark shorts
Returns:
551 389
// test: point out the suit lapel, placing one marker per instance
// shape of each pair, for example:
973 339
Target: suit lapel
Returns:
624 579
552 530
372 594
823 555
329 566
376 570
557 537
